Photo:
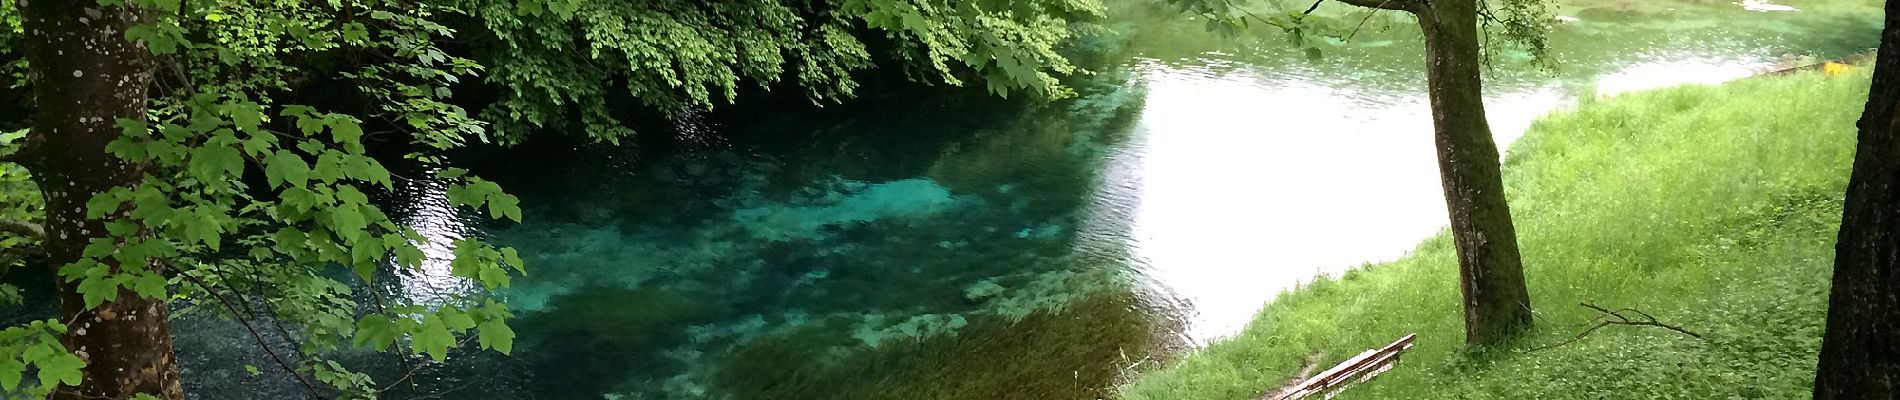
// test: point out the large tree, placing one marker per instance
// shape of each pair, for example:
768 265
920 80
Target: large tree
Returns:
90 77
1490 270
1860 353
215 154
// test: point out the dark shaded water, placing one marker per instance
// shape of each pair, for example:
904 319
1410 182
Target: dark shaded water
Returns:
938 243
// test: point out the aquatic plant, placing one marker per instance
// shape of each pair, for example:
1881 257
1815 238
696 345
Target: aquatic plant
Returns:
1078 351
597 336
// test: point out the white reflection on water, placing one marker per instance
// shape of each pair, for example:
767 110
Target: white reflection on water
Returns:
1657 72
1251 182
1765 6
429 213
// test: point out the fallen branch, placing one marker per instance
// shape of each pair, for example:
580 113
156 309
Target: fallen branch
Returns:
1606 317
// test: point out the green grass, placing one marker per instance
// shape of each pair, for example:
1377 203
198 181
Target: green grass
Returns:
1712 207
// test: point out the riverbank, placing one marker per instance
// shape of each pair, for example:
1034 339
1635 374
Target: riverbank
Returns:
1710 207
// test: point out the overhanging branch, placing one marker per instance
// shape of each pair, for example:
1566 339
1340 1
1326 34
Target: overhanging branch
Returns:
315 391
1401 5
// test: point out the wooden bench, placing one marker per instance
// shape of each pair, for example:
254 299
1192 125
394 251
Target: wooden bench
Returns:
1359 368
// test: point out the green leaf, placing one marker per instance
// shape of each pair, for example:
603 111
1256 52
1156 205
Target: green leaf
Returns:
298 200
246 116
456 320
104 203
14 136
496 335
127 127
213 163
512 258
528 7
376 332
451 173
95 287
501 205
409 256
347 220
127 148
492 277
329 167
355 32
286 167
309 125
62 367
11 370
148 285
346 131
432 337
367 169
205 227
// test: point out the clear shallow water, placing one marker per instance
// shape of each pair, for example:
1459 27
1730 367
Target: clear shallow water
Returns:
889 247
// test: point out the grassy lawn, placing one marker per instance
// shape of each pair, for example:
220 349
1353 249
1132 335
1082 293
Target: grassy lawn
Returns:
1711 207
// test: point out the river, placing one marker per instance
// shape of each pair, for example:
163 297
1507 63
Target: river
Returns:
929 242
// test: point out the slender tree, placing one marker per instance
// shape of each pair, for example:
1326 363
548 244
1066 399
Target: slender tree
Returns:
1491 272
1860 353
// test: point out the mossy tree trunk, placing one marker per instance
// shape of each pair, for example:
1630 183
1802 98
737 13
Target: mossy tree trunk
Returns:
87 76
1490 271
1860 353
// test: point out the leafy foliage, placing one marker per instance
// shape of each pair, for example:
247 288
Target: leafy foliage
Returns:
35 345
561 60
23 199
255 186
217 235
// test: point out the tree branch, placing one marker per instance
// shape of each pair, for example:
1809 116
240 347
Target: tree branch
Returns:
1401 5
1605 317
1362 24
23 228
1315 6
261 343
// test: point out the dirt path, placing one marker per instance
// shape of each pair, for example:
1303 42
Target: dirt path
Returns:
1306 371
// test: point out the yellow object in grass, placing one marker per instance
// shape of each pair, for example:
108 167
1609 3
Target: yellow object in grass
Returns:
1835 69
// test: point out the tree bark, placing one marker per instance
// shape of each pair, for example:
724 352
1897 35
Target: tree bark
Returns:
86 77
1860 353
1490 271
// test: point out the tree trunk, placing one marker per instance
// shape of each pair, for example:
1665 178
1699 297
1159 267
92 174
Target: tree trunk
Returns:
1490 272
1860 353
86 77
